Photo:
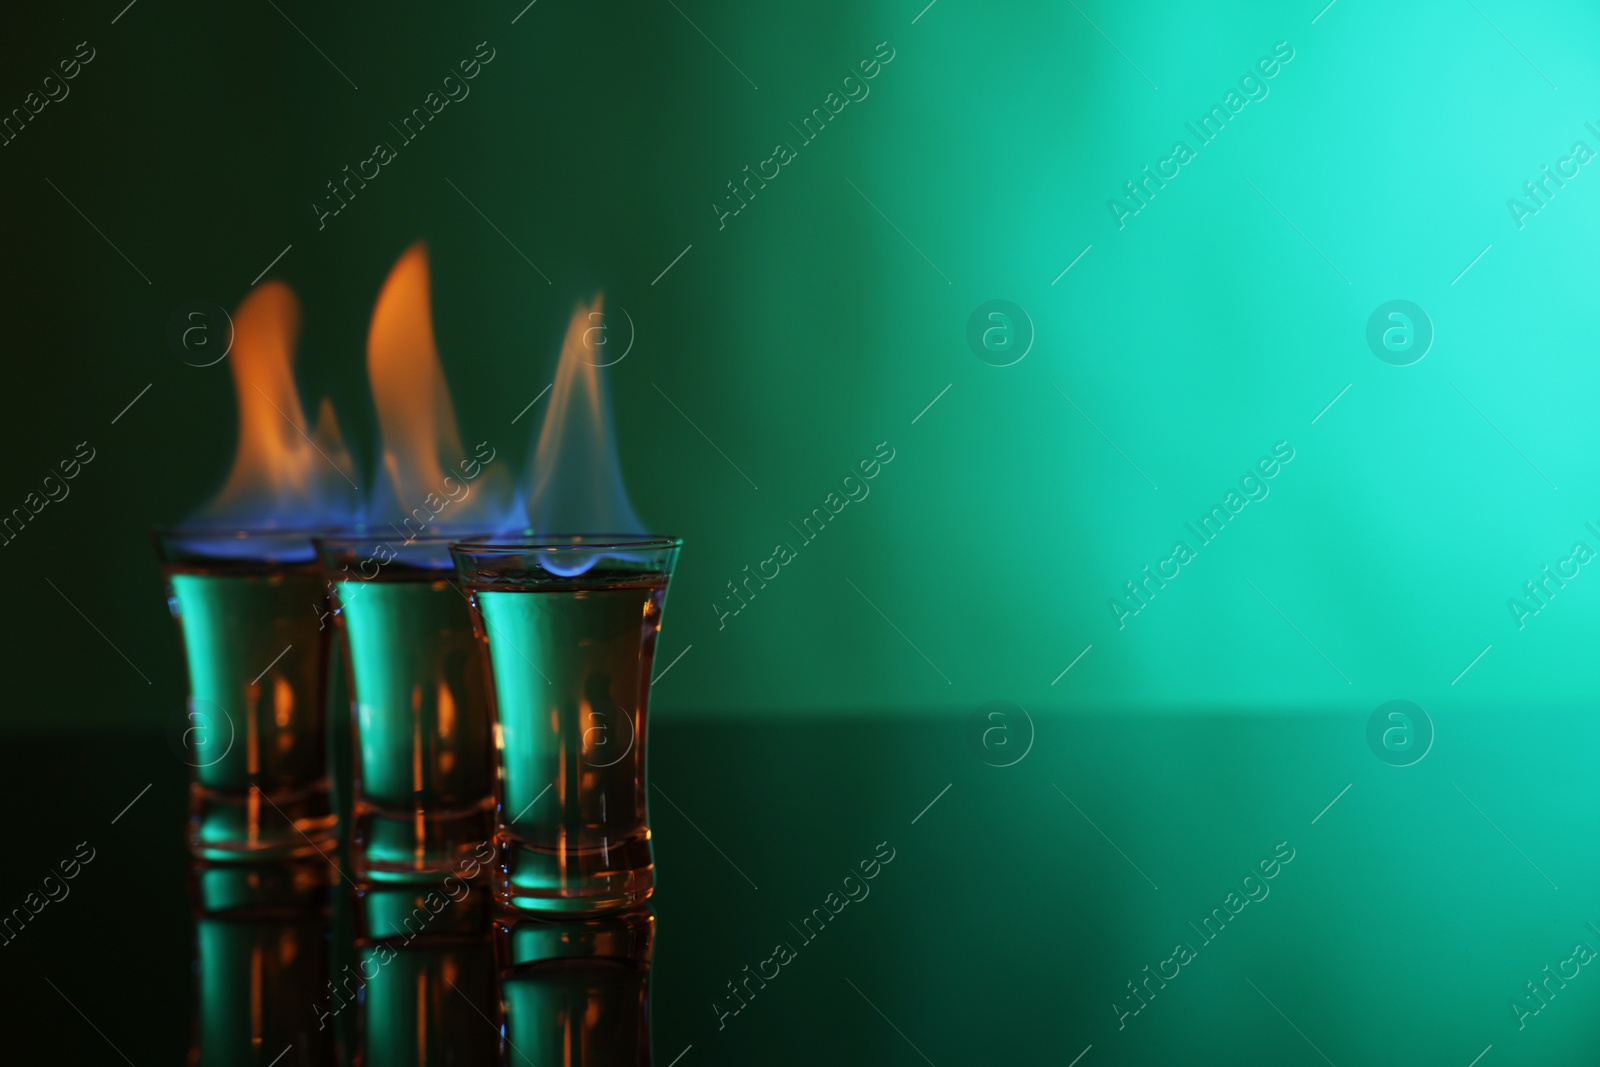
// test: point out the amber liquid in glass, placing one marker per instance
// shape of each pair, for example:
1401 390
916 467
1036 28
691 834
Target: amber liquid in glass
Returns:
571 666
424 791
257 657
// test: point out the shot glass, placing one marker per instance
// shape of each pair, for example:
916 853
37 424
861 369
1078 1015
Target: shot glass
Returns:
569 624
254 723
423 781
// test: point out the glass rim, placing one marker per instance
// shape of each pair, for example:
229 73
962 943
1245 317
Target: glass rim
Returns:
350 535
234 547
524 544
236 531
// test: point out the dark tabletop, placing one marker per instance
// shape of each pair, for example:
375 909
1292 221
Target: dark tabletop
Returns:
1309 902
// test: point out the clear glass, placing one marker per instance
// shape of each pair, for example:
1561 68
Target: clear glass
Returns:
570 626
423 789
254 726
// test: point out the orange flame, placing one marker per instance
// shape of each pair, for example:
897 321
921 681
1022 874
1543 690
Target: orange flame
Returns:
424 471
280 476
576 476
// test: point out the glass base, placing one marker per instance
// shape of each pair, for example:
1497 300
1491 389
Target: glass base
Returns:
571 881
415 847
251 825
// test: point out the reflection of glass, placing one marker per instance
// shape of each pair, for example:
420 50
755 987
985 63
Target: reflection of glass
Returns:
577 993
257 659
570 624
425 975
424 797
261 963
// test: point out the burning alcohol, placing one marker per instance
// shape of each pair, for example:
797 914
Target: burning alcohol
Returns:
423 791
569 622
239 584
257 666
570 628
423 761
566 625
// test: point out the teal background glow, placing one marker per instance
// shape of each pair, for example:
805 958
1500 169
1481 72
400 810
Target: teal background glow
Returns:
808 330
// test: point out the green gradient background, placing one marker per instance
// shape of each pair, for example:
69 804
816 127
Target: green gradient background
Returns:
808 330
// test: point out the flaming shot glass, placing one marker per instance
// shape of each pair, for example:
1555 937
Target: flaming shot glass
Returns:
570 625
254 726
423 790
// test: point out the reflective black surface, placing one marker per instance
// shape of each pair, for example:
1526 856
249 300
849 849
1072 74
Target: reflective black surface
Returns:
907 891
